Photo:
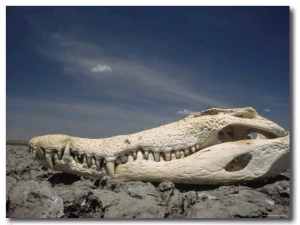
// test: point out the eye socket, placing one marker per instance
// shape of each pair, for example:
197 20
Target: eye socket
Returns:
246 115
239 115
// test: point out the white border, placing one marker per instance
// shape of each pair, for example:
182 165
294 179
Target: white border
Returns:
294 9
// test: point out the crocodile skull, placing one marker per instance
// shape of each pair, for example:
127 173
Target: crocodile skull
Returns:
216 146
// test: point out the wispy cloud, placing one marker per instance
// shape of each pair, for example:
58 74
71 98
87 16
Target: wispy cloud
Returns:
161 81
267 110
101 69
185 112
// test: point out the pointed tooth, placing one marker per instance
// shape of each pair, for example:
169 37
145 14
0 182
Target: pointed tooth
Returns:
177 154
150 156
181 155
167 156
84 163
193 149
146 154
34 154
186 152
173 157
59 154
67 152
97 163
140 155
55 157
93 161
156 156
110 168
76 159
161 157
134 155
49 160
130 157
43 151
89 161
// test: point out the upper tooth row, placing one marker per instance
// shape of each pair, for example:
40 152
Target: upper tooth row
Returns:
89 161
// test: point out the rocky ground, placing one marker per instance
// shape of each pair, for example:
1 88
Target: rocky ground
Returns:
33 191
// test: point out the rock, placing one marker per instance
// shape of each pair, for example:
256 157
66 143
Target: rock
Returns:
85 206
232 202
36 201
35 192
131 199
278 191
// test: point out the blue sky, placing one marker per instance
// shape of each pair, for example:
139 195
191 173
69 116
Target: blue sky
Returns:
102 71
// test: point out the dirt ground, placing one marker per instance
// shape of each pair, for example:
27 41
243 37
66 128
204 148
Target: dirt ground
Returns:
33 191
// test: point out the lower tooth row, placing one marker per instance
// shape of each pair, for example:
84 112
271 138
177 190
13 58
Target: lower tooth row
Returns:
89 161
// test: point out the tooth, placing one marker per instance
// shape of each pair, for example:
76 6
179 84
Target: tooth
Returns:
98 163
43 151
34 154
156 156
130 157
197 147
181 155
186 152
161 157
55 157
76 159
146 154
89 161
67 152
177 154
167 156
134 155
84 164
193 149
173 157
59 154
110 168
93 161
150 156
49 160
139 155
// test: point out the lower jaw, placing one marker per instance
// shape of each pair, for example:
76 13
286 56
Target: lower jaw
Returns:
208 166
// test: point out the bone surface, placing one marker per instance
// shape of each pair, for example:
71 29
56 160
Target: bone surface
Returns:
216 146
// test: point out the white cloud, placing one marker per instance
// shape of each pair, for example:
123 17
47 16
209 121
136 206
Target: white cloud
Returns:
185 112
101 69
267 110
164 81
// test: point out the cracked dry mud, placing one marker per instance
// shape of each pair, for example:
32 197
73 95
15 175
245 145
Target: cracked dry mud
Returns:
33 191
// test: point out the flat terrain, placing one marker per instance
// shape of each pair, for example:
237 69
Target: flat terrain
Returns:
33 191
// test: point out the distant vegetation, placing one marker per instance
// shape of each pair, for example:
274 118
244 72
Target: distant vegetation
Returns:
16 142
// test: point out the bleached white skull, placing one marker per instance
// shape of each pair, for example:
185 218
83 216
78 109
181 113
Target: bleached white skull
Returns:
216 146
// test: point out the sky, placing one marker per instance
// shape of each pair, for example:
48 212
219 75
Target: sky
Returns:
101 71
